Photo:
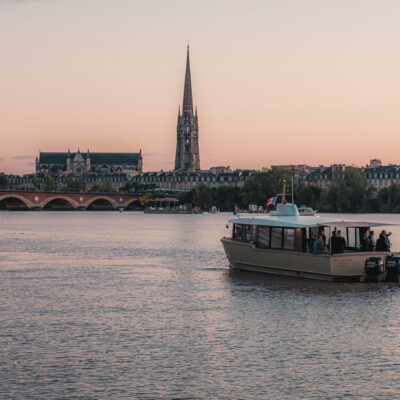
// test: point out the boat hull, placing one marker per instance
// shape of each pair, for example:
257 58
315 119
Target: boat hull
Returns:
337 267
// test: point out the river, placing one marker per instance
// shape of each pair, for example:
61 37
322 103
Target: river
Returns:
126 305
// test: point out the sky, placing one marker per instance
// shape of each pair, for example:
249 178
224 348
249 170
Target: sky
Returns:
275 81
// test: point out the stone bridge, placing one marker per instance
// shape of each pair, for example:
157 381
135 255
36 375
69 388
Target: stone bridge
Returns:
30 200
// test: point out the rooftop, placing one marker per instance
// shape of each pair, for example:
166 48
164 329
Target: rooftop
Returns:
95 158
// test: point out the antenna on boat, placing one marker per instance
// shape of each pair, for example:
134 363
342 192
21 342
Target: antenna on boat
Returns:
284 192
292 191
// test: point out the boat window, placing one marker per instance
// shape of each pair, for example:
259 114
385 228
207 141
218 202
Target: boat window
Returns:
276 238
247 233
263 237
238 232
353 239
288 239
253 234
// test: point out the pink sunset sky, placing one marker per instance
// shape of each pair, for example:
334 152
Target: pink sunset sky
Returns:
275 82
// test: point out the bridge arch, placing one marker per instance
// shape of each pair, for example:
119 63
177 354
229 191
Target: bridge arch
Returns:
133 204
59 203
13 201
100 202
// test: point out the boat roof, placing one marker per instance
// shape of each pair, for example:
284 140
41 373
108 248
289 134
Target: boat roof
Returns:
301 221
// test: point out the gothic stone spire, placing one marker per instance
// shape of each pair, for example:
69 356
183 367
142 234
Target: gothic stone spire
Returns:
187 93
187 156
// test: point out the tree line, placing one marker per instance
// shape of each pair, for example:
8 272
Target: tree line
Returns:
350 193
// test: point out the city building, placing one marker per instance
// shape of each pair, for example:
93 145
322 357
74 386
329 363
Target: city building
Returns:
85 182
300 172
89 163
188 180
374 163
324 176
380 176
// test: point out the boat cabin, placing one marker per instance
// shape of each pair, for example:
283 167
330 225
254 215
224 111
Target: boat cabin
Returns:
287 230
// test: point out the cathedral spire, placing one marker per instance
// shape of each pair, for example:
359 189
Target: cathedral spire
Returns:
187 106
187 156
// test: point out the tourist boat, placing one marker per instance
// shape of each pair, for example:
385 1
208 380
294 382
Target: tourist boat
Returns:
279 244
306 211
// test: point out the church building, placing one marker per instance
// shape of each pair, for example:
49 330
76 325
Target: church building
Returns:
89 163
187 174
187 156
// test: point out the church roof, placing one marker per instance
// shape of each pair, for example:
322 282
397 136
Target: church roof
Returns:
95 158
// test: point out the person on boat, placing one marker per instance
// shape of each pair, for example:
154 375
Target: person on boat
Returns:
311 242
364 242
319 246
332 243
238 232
371 244
383 243
341 243
323 238
337 245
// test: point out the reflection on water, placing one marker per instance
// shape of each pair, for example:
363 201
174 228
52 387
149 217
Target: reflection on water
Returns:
272 282
110 305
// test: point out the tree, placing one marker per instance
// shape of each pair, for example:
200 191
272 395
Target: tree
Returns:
49 184
264 184
69 184
107 187
372 201
309 195
36 183
145 199
352 191
96 188
73 184
187 197
128 187
388 199
203 197
225 197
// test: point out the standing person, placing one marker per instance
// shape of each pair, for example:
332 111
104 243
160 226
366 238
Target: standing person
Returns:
318 246
387 241
341 242
383 243
323 237
364 242
311 241
333 242
371 241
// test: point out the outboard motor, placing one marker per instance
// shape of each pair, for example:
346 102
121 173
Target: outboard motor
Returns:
393 268
374 269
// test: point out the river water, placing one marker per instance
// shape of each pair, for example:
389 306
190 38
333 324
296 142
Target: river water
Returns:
109 305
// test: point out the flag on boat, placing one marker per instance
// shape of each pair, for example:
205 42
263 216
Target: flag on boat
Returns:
236 212
271 201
